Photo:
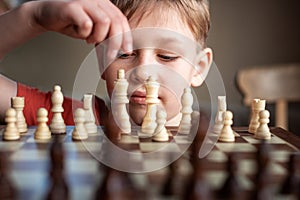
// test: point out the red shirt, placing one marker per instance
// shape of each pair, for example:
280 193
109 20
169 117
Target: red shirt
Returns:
35 99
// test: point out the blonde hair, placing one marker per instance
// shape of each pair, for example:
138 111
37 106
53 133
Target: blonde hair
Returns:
193 12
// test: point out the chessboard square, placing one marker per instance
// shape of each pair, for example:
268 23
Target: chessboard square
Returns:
181 139
247 166
154 164
215 178
81 166
280 156
159 146
11 145
128 139
29 179
93 146
33 140
82 192
277 169
129 147
30 155
82 146
240 140
217 156
236 147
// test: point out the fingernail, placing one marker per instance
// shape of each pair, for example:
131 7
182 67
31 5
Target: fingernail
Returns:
129 48
113 54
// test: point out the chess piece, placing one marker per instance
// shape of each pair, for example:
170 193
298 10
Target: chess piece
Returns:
79 132
290 184
116 185
161 133
59 189
222 107
197 186
257 105
119 102
231 188
89 114
227 134
57 125
7 188
42 131
149 124
186 118
11 131
194 122
18 104
263 131
262 182
199 139
170 187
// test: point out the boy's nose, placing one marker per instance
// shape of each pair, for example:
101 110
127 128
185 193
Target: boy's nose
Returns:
141 73
145 66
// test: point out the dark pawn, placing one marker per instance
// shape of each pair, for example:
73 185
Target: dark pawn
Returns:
262 182
199 137
116 185
7 189
59 189
290 184
197 187
231 188
170 186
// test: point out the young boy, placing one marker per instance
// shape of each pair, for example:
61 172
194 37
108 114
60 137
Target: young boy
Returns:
165 38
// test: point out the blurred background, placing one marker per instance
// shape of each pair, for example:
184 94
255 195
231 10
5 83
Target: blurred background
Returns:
243 34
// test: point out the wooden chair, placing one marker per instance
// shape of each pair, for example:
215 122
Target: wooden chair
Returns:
277 84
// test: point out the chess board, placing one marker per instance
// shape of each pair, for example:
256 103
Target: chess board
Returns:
29 162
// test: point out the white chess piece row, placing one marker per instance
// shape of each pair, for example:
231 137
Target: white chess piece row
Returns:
258 123
16 122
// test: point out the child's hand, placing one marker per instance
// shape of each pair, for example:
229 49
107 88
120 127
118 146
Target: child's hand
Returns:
91 20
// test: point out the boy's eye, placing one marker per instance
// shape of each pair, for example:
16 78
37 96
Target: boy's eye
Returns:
125 55
167 57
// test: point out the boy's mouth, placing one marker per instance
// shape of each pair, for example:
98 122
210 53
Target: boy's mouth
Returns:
138 97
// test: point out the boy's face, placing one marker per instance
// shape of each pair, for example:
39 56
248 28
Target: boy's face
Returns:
166 51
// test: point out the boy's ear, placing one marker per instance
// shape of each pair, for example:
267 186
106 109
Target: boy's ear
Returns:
203 62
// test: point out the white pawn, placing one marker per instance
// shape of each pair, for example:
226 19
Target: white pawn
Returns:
57 125
161 133
195 123
187 103
11 131
79 132
42 131
89 114
222 107
18 104
263 131
227 134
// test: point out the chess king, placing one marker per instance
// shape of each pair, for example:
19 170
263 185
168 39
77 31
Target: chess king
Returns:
169 43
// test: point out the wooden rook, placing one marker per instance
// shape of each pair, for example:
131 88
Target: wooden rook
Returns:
18 104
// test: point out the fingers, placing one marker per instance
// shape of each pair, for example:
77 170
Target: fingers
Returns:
112 24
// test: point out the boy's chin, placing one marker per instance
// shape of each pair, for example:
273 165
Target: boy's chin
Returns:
137 116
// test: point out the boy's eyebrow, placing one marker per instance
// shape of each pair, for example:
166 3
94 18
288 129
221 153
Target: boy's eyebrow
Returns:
180 45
